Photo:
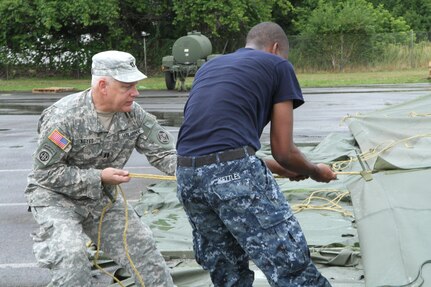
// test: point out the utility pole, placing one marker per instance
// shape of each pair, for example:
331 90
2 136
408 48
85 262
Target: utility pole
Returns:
145 35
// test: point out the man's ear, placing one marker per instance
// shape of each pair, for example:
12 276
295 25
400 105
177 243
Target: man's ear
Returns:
275 48
103 86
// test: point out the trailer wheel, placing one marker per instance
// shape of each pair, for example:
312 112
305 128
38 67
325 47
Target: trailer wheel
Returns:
170 80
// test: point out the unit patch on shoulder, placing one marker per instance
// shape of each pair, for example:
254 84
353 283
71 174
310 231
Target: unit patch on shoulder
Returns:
163 137
45 155
59 139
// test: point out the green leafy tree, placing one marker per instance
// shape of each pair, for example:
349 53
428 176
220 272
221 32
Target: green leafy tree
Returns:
417 13
19 32
52 36
62 35
340 33
223 20
56 34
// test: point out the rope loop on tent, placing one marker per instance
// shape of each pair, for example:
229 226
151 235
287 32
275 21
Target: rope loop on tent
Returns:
414 114
418 281
329 205
377 150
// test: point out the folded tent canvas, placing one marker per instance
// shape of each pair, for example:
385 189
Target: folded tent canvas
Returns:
356 229
393 212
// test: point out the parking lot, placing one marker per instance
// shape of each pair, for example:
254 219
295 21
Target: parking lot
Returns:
321 115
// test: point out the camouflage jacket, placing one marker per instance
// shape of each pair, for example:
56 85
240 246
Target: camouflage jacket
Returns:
74 147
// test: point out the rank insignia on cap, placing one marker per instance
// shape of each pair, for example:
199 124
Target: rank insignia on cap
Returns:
60 140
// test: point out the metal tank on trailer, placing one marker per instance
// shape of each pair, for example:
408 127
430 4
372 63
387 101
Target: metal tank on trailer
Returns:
189 53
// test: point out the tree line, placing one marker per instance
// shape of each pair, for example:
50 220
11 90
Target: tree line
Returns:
58 37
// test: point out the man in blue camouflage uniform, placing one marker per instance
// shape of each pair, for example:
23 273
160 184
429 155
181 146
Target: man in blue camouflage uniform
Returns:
85 139
233 203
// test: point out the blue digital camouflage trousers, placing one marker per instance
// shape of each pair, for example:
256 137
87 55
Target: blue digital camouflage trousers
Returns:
238 213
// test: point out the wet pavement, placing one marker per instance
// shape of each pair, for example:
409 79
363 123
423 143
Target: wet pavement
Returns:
320 115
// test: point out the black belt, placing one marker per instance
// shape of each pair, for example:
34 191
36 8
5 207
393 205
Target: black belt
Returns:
227 155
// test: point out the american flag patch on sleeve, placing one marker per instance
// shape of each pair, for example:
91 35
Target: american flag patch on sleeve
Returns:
60 140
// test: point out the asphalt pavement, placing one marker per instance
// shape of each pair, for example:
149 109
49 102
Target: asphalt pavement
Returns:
321 115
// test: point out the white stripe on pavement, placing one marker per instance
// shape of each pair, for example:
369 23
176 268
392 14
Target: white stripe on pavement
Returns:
13 170
19 265
13 204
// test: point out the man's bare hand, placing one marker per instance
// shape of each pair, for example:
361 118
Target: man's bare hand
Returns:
114 176
323 173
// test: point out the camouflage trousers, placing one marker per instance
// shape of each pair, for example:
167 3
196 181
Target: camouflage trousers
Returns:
60 245
238 213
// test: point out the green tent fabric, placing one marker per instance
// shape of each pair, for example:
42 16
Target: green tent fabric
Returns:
161 210
321 227
331 235
397 137
393 211
393 215
389 217
330 231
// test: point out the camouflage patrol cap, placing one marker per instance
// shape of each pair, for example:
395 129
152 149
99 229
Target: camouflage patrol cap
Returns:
119 65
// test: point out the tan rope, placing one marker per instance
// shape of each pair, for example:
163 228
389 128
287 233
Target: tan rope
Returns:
152 176
99 234
414 114
330 205
126 248
376 151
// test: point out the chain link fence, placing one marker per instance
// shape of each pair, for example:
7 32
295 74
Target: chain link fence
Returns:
357 52
326 52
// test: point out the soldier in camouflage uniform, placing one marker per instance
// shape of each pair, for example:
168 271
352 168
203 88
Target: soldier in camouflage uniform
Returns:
233 203
85 139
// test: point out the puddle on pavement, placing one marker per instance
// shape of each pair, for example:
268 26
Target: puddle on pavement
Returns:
171 119
10 109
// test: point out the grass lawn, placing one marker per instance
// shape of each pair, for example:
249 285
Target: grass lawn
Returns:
364 78
305 79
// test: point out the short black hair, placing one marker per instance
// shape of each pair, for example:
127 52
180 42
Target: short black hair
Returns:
268 33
